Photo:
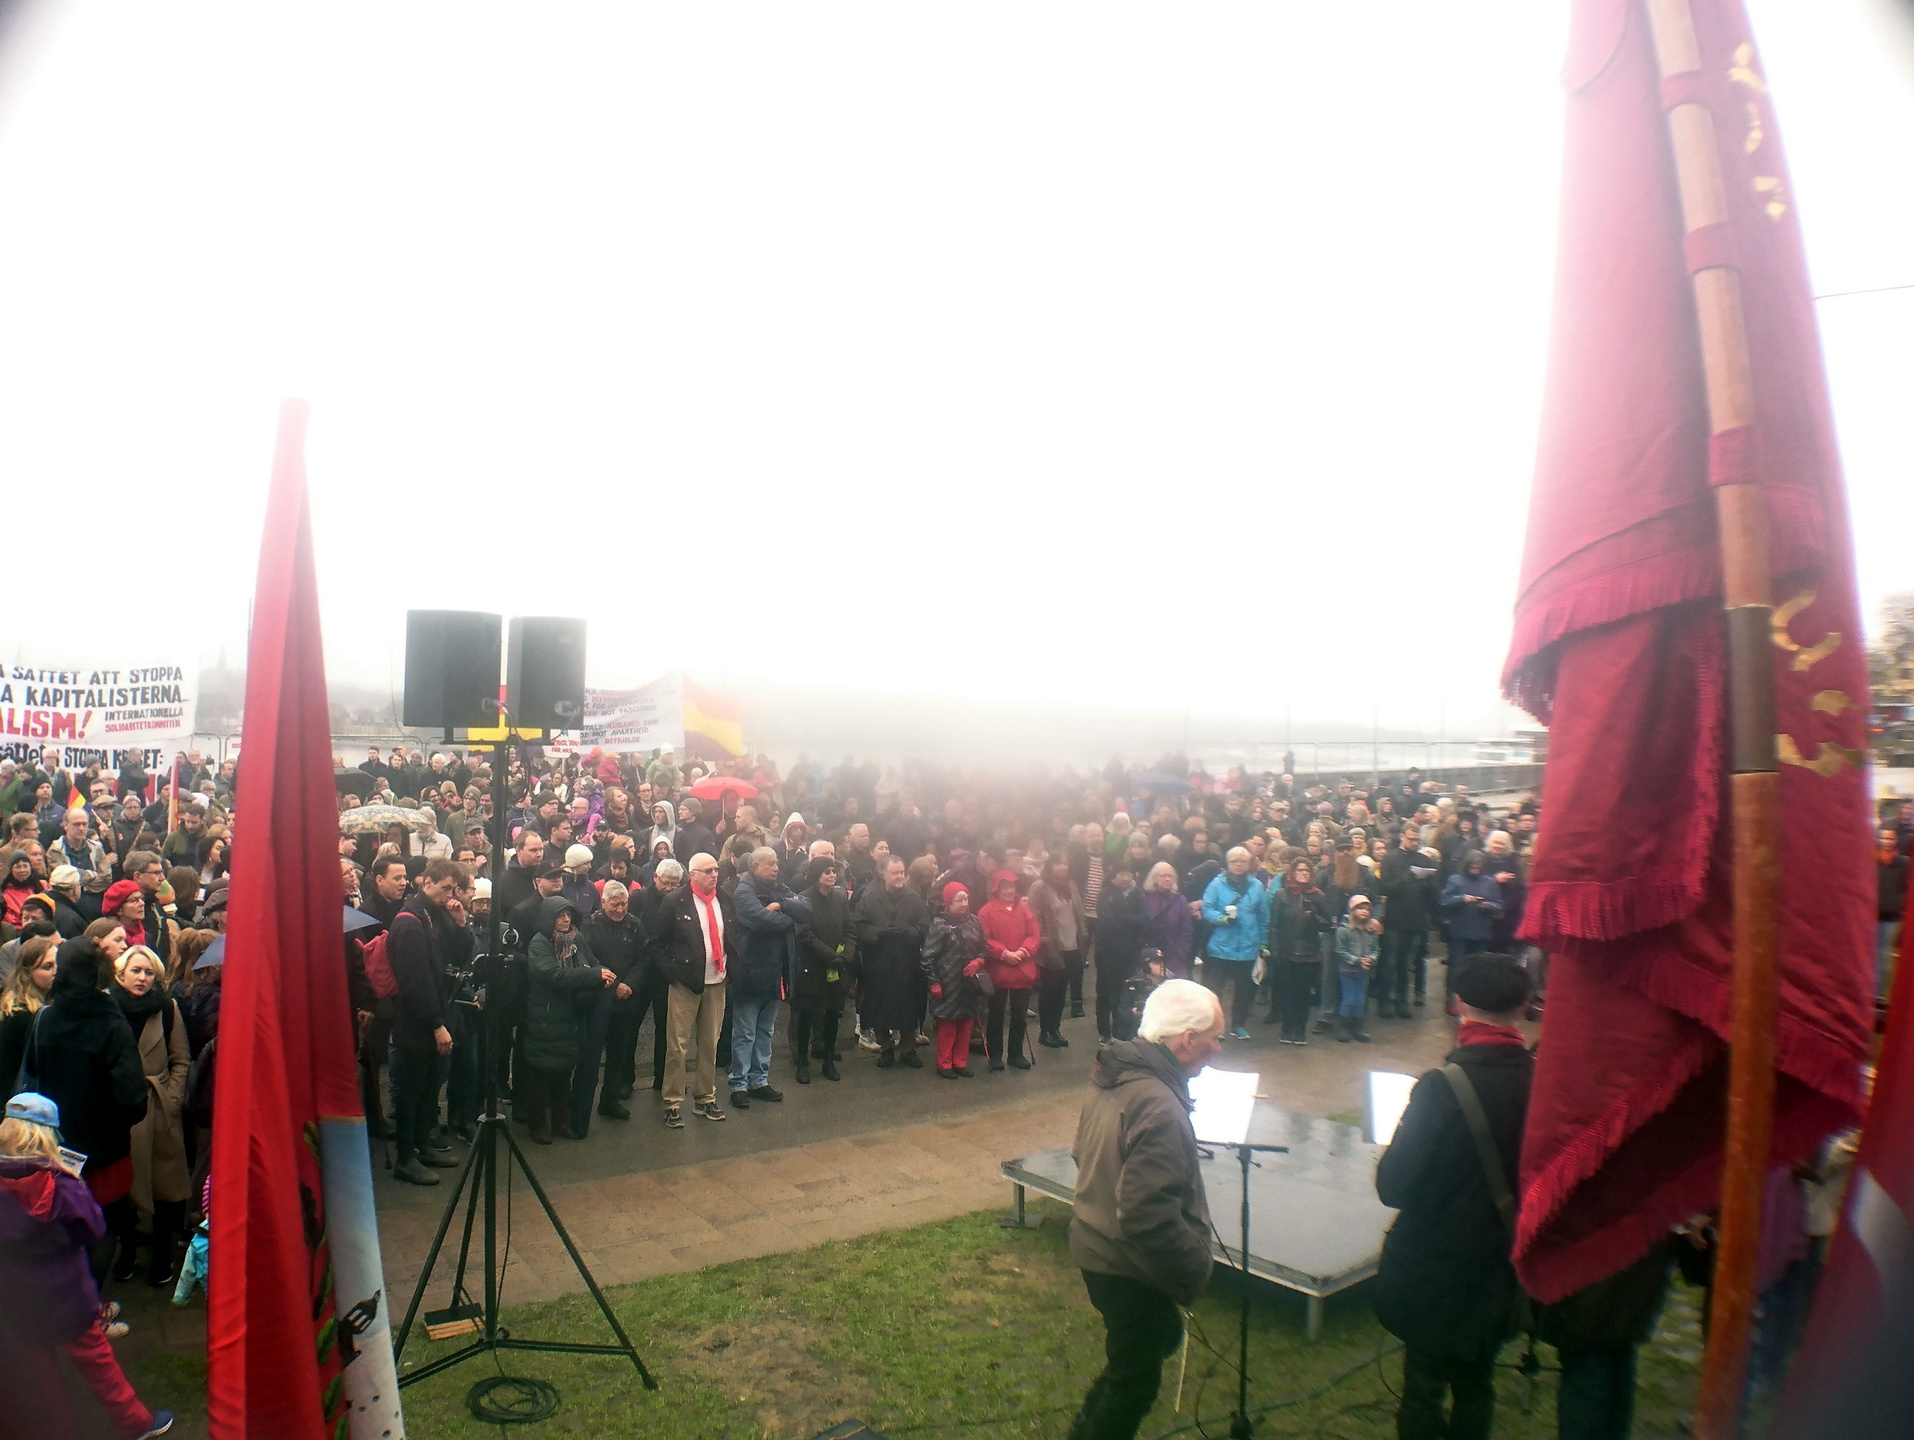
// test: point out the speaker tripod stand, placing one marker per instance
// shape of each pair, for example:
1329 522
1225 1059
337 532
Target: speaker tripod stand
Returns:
477 1187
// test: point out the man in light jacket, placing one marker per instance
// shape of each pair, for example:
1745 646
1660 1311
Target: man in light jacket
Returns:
1141 1231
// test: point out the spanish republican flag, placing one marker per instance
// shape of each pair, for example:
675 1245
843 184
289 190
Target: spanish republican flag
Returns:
1620 646
713 729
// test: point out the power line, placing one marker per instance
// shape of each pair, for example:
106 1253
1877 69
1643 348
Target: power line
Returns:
1876 290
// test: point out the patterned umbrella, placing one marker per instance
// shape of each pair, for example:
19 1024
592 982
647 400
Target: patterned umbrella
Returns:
377 819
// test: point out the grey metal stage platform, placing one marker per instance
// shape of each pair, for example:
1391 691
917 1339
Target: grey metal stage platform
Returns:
1315 1223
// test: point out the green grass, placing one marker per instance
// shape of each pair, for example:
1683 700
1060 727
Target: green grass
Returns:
961 1329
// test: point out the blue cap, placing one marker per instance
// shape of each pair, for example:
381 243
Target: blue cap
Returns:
35 1108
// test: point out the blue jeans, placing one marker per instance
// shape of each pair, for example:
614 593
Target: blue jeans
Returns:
752 1020
1355 994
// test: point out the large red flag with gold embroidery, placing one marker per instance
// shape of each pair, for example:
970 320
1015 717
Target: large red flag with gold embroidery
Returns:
1620 646
298 1337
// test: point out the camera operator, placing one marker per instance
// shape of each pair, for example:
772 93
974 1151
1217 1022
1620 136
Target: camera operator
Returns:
465 1074
425 939
1141 1228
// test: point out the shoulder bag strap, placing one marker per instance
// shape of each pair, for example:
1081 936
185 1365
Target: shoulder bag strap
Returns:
1485 1150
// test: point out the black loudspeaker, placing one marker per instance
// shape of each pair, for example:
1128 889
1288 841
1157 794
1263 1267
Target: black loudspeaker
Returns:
451 669
545 672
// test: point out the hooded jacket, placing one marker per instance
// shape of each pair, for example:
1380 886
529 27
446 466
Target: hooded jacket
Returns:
949 950
563 987
83 1058
48 1222
1140 1209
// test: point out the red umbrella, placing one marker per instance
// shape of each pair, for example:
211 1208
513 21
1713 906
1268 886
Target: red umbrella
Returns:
715 787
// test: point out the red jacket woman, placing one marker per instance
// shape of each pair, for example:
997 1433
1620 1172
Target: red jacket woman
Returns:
1010 928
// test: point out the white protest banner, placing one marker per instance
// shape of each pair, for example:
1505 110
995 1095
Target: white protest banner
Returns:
626 720
94 708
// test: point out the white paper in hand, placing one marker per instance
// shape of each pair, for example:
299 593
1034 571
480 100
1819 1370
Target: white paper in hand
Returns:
1225 1099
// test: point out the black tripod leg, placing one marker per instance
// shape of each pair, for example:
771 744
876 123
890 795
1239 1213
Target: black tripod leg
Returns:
578 1261
465 1239
438 1240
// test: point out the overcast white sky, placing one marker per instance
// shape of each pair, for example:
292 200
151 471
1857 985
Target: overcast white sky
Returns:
1030 350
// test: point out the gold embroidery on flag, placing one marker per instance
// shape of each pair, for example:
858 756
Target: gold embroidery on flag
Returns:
1755 134
1830 702
1829 760
1778 628
1742 72
1776 203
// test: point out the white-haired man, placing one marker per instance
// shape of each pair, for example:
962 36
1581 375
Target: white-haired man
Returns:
1141 1231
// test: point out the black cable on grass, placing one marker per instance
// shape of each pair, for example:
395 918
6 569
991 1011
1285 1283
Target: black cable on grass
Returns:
512 1400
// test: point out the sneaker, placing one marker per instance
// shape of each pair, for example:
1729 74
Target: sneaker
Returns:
740 1100
466 1133
867 1040
922 1038
109 1311
674 1118
115 1329
1361 1037
441 1138
127 1265
710 1110
162 1422
766 1092
1239 1033
440 1162
413 1173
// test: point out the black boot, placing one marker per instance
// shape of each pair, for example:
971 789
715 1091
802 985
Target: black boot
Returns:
830 1068
802 1071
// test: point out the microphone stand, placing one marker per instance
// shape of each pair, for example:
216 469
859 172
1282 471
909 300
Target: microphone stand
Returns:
1240 1427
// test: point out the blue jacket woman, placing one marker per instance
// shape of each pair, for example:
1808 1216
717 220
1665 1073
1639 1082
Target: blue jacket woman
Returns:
1243 937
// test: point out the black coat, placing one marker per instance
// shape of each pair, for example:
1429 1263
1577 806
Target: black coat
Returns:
826 942
684 960
1446 1284
83 1058
621 947
1120 926
891 925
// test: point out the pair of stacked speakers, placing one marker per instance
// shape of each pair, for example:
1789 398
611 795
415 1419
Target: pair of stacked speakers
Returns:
451 671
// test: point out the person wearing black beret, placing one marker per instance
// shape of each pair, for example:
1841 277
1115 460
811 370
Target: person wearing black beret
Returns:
1446 1286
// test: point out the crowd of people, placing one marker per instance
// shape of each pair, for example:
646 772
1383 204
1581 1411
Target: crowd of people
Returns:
903 911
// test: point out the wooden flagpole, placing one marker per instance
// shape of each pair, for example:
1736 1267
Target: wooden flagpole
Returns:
1742 520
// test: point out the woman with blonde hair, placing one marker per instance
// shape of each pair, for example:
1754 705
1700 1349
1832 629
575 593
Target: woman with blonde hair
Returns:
48 1222
161 1178
25 997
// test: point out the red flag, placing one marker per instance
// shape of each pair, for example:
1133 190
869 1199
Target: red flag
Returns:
293 1313
1620 646
1851 1377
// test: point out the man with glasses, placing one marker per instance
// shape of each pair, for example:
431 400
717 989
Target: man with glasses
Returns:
148 871
704 942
